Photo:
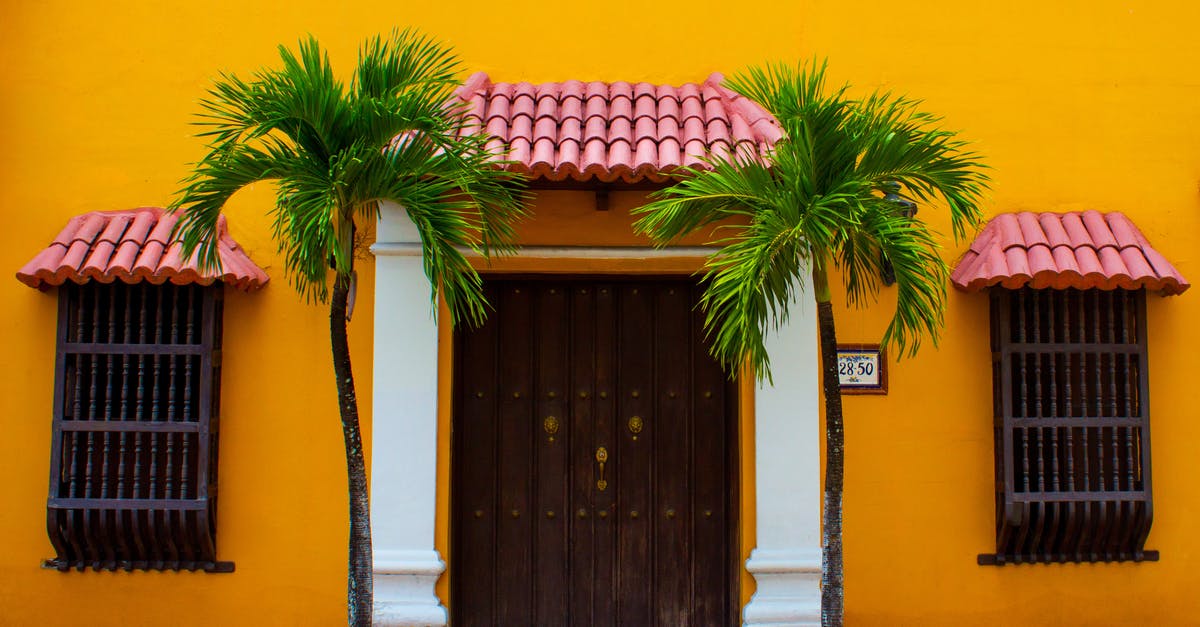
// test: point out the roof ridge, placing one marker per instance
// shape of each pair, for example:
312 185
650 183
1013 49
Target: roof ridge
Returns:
475 83
758 118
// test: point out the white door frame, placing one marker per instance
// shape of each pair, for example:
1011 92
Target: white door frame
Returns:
786 561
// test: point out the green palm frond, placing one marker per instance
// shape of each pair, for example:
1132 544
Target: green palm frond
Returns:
816 202
395 133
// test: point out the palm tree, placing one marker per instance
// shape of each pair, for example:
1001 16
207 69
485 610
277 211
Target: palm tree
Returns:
819 202
336 153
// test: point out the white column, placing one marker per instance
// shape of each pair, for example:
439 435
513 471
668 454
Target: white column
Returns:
786 564
404 431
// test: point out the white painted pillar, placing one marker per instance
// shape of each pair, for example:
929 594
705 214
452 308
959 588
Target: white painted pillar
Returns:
404 431
786 563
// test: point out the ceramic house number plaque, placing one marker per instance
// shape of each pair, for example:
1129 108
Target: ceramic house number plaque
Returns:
862 368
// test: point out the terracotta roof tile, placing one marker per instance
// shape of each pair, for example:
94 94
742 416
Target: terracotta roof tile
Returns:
1081 250
614 131
133 246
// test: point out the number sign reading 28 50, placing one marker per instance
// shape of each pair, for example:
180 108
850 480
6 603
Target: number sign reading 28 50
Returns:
862 369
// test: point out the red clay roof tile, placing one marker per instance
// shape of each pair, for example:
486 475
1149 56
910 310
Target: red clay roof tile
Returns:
614 131
132 246
1088 250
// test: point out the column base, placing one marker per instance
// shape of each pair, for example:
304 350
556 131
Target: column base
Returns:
788 588
404 588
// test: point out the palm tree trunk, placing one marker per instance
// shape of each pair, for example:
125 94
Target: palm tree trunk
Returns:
359 585
832 601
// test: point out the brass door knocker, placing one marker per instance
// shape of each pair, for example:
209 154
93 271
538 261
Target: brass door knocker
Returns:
601 457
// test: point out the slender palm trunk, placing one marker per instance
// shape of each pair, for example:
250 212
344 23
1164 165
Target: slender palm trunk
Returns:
832 602
359 585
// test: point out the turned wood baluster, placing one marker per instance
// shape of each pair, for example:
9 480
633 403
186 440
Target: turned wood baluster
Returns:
1132 434
189 337
135 517
1127 376
106 453
1126 511
1036 323
169 491
123 539
1038 432
108 394
1112 361
1053 358
1038 539
89 467
1085 462
77 409
1114 444
169 516
1070 524
153 516
92 409
140 398
124 413
1085 508
1098 393
1101 530
1021 338
154 395
1068 400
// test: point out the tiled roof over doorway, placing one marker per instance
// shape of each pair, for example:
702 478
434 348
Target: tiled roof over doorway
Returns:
134 245
1081 250
614 131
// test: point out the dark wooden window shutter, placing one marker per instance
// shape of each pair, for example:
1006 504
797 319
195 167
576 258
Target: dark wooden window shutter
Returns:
133 464
1070 399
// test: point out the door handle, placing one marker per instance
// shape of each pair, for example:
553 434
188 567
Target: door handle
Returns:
601 458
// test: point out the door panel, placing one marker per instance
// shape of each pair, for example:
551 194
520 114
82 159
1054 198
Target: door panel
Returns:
588 553
550 540
633 390
671 516
603 508
546 531
476 431
514 373
714 456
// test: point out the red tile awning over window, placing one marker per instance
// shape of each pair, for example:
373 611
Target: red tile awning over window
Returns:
133 246
1081 250
610 131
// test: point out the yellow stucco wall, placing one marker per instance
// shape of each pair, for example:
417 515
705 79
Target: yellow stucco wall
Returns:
1075 104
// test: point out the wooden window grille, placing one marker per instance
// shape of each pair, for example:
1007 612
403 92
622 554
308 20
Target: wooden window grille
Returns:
1070 400
133 466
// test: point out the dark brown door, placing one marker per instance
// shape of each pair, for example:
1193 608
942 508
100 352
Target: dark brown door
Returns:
594 447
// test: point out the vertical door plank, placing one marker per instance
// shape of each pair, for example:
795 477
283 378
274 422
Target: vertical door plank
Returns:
583 390
710 533
633 476
604 513
514 538
550 518
475 485
672 442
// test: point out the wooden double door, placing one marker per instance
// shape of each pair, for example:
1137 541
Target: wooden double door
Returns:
594 460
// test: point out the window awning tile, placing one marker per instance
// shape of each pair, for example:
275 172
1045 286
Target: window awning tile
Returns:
1081 250
614 131
132 246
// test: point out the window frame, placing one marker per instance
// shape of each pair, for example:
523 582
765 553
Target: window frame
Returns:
140 531
1123 516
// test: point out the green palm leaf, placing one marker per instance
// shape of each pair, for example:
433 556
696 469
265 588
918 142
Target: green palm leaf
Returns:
335 153
816 201
816 204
